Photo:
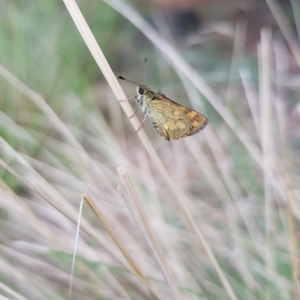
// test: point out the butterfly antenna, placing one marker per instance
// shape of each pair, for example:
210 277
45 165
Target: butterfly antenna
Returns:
145 77
121 77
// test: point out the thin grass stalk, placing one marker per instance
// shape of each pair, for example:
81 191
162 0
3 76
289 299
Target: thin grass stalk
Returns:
233 188
22 279
196 150
230 187
147 231
146 165
27 264
41 104
39 226
290 198
75 247
252 99
55 121
114 283
237 55
266 114
175 59
84 227
39 180
109 75
285 28
296 13
30 214
133 213
136 219
30 186
119 244
11 292
212 176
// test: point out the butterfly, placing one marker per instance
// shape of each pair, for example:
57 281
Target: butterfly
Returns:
171 120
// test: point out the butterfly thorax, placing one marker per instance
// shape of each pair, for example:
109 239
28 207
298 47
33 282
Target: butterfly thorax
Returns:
144 97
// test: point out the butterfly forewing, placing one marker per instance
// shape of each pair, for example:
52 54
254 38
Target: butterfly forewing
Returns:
174 121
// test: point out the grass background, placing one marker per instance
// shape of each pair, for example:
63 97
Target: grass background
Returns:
67 135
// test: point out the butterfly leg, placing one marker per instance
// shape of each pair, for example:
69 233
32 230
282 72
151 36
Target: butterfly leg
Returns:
135 113
141 124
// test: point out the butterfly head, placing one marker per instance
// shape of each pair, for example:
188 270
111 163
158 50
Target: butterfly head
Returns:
142 89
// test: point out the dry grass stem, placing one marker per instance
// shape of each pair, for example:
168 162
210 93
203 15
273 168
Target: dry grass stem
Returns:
54 120
252 99
176 60
120 245
109 75
266 114
85 227
285 28
296 12
8 290
290 197
237 55
212 216
148 232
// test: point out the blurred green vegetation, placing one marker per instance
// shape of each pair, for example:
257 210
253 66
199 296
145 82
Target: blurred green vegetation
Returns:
41 46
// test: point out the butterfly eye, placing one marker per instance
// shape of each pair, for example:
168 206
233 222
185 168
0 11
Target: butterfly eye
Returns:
141 91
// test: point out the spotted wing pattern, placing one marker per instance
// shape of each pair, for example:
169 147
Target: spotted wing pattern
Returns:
174 121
